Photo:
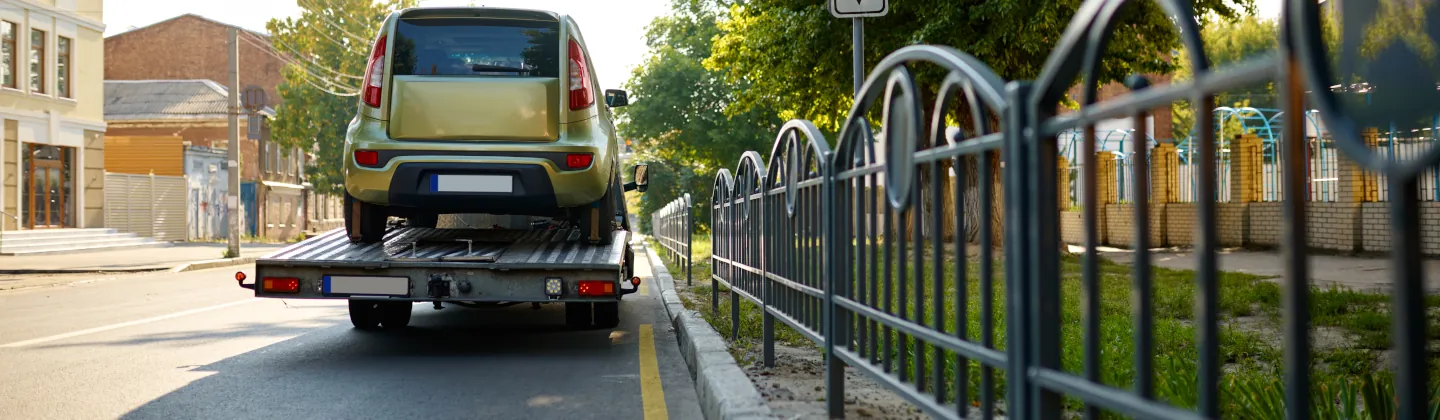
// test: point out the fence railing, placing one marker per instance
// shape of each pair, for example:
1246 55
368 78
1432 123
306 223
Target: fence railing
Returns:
673 227
861 264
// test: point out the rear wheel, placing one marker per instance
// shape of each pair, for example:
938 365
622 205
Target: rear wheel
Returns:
577 314
364 314
394 315
607 314
603 219
364 222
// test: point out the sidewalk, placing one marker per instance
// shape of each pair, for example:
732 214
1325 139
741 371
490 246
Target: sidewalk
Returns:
127 259
1365 274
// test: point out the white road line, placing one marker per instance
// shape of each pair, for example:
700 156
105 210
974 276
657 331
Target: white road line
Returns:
125 324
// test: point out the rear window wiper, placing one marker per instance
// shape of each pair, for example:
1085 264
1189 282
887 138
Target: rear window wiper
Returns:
487 67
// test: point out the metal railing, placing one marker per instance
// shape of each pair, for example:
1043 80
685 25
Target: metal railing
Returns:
849 246
673 227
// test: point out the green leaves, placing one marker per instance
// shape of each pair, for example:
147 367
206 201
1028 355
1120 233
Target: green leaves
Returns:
326 48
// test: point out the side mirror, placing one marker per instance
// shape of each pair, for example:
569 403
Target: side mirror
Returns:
616 98
642 177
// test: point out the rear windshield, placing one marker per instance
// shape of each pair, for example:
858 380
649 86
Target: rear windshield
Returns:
477 47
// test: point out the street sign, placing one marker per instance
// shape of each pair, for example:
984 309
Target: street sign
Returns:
859 8
254 98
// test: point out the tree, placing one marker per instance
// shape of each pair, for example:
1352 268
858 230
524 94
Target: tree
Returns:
678 116
1227 42
327 46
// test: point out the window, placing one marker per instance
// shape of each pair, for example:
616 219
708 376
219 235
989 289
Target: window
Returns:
7 55
62 66
266 159
477 47
37 61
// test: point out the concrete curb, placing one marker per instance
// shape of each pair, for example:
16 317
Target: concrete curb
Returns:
725 392
208 264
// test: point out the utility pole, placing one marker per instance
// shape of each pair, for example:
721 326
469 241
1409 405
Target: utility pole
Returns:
233 203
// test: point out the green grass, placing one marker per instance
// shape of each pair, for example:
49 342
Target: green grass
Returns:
1249 307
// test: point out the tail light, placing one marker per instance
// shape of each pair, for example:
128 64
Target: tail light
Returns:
281 284
581 96
578 160
595 288
375 74
367 157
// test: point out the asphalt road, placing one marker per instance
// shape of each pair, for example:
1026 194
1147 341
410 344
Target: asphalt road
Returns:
193 345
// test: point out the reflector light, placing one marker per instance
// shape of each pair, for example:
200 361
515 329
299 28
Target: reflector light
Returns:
578 160
281 284
635 281
367 157
596 288
239 276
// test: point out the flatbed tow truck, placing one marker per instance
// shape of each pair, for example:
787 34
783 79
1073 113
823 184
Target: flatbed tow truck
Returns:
548 263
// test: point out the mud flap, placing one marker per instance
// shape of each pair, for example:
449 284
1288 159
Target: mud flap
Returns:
595 223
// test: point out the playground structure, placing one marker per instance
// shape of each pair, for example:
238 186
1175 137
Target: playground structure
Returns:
1266 124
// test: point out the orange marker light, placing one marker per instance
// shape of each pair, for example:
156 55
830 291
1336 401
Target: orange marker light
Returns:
239 276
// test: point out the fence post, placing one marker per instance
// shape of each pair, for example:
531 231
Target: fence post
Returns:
1245 169
1357 185
1164 187
832 234
689 240
1062 175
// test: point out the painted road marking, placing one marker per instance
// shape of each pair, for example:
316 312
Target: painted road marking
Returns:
652 396
127 324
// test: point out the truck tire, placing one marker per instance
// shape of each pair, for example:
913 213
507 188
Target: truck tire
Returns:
577 314
364 314
423 220
605 219
364 222
607 314
394 315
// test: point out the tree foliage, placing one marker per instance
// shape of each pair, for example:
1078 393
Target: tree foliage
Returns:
327 46
677 117
1228 42
798 59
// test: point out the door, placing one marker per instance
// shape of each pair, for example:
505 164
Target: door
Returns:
48 187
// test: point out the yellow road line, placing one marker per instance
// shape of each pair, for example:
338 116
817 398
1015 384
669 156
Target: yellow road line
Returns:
652 396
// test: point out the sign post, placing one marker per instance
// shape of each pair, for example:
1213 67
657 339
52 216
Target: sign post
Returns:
856 11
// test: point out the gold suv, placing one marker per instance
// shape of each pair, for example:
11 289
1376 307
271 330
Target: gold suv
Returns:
482 110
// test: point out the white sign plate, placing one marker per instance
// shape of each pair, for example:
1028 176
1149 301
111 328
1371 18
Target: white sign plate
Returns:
472 183
859 8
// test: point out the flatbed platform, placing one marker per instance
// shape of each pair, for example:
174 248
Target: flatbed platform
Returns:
504 249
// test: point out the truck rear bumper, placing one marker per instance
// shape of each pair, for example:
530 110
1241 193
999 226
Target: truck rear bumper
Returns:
435 284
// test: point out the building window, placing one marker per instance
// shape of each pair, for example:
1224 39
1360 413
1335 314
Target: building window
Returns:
62 66
37 61
7 54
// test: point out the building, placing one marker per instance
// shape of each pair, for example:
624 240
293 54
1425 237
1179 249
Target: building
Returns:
52 153
192 51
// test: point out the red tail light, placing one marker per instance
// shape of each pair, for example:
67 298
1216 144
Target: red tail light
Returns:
596 288
281 285
367 157
578 160
375 74
581 96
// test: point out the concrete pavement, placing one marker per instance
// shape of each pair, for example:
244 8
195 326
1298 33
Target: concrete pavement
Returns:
192 345
126 259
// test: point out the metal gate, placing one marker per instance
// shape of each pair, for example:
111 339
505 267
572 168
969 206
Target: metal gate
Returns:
847 245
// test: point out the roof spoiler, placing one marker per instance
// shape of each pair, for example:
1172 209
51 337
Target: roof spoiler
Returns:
478 12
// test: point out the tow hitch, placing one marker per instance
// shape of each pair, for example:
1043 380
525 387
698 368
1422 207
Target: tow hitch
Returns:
635 286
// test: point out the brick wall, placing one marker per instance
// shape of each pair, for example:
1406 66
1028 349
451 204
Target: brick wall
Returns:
191 47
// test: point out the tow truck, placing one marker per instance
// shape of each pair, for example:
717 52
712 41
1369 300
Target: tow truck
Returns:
475 268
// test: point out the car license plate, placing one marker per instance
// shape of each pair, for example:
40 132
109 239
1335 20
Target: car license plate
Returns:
364 285
472 183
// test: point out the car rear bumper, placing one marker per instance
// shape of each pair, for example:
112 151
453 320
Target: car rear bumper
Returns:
539 186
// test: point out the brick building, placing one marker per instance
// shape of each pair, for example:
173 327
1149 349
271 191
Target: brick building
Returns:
190 52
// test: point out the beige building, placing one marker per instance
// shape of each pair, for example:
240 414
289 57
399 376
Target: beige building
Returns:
51 100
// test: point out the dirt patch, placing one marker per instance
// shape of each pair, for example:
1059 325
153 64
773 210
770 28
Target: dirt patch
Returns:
795 388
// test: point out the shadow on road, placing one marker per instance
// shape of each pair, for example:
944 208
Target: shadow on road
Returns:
455 363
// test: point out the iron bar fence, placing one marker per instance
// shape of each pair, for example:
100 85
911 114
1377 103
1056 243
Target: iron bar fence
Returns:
673 227
865 249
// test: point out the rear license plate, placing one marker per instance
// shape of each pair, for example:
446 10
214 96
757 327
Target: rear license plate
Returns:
472 183
372 286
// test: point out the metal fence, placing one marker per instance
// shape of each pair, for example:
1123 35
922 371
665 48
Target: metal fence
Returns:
859 265
672 227
147 205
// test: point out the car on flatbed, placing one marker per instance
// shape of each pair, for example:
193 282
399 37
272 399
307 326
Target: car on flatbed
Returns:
464 110
481 110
